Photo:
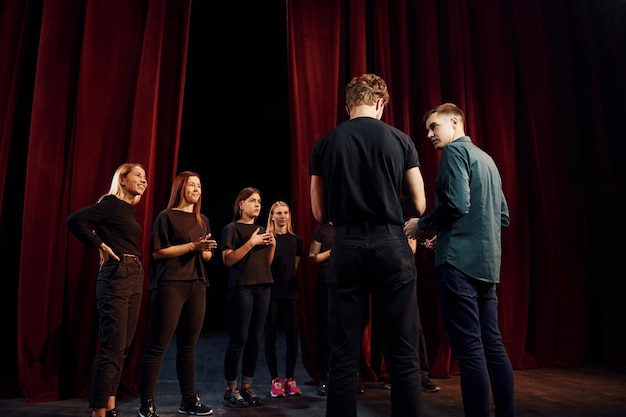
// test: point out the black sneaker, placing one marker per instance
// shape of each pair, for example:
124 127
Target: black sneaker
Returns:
428 385
250 397
147 409
193 406
112 413
323 388
232 398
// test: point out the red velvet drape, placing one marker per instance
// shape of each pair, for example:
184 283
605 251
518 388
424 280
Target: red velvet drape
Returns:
108 77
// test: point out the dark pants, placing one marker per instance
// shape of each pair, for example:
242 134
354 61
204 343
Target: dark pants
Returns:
283 311
470 312
175 307
247 311
372 260
321 318
119 288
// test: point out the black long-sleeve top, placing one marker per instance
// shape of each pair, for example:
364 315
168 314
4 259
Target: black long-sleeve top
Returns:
112 221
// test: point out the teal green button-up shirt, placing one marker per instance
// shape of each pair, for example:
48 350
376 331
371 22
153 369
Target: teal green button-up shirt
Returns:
470 211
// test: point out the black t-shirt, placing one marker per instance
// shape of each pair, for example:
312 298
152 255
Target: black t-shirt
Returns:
254 267
176 227
288 247
362 162
325 235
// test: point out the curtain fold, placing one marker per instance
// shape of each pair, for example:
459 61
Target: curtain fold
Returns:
108 89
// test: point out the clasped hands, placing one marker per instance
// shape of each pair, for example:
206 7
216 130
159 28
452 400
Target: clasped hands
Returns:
265 238
204 243
413 231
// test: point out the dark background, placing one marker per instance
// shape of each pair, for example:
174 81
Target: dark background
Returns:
237 66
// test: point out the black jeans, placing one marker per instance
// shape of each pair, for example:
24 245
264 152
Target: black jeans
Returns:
175 307
119 288
283 311
372 261
247 310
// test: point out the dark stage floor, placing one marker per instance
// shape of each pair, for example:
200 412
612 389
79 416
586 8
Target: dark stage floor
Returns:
591 391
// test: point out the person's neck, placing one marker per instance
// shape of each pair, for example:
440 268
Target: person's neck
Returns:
127 197
188 208
363 110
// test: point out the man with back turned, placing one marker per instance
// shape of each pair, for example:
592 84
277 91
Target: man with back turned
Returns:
359 172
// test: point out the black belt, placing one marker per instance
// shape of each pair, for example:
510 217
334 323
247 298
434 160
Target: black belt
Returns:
367 227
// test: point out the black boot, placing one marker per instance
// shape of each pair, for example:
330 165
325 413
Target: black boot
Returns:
147 408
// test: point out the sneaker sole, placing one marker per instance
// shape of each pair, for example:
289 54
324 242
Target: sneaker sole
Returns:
205 413
276 395
228 404
436 389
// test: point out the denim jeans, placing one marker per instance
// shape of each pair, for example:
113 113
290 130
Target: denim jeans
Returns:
372 263
470 312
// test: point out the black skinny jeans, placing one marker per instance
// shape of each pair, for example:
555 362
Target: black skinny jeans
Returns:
175 307
283 311
247 310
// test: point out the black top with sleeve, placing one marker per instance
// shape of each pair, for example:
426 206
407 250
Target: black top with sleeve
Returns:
254 267
362 162
325 235
288 247
177 227
112 221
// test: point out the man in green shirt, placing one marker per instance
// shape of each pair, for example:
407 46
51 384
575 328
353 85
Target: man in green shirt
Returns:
470 212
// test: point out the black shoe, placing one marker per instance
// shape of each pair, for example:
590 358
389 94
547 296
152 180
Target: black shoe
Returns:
428 385
146 409
323 388
360 388
250 397
113 413
193 406
232 398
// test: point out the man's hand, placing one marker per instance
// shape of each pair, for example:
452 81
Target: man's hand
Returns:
411 228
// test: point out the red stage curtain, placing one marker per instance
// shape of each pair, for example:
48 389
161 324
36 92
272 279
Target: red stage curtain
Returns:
108 78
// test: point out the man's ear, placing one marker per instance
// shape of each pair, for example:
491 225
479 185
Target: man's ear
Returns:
347 109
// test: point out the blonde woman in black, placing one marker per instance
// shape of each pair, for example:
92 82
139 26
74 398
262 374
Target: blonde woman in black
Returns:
111 226
284 300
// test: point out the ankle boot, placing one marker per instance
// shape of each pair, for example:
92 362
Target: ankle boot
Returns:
147 408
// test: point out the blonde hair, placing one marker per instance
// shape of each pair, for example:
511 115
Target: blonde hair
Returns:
116 182
366 89
270 223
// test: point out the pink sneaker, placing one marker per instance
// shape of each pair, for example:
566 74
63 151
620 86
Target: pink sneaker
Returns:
291 388
277 388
